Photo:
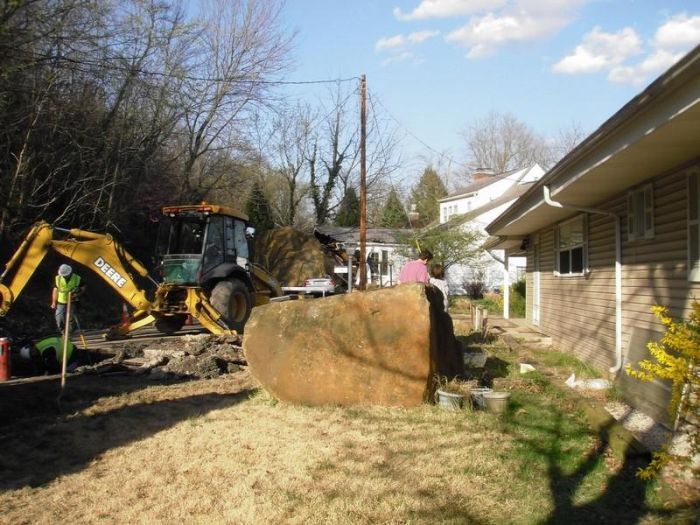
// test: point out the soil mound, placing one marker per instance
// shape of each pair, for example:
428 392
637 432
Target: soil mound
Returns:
292 256
201 356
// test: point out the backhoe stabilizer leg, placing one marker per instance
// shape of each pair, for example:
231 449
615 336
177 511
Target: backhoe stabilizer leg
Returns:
135 322
201 309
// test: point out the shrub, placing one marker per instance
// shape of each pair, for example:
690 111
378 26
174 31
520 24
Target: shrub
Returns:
517 302
493 303
519 287
475 289
677 359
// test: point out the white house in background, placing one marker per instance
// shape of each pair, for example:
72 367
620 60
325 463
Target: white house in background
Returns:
475 206
383 247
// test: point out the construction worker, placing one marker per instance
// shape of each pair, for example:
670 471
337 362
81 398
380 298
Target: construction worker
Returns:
66 283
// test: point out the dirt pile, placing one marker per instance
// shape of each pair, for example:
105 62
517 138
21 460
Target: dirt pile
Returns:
200 356
292 256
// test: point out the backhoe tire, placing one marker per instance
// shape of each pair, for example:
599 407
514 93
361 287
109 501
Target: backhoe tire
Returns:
231 298
169 324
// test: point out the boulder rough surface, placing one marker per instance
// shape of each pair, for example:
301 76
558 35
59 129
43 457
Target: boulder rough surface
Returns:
379 347
292 256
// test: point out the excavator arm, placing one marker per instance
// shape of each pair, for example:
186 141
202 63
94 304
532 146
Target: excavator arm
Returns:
108 259
98 252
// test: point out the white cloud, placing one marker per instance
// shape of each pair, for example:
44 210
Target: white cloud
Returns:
421 36
399 57
659 61
600 51
399 42
447 8
398 46
390 42
681 31
483 35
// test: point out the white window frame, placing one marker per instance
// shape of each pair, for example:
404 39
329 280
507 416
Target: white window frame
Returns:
583 245
644 228
693 185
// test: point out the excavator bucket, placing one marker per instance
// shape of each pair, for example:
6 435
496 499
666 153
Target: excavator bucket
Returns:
5 299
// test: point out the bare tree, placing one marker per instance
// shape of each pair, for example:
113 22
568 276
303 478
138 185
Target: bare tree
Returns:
566 139
502 142
293 130
332 152
241 48
339 153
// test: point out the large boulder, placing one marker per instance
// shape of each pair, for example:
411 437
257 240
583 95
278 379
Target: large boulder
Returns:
292 256
378 347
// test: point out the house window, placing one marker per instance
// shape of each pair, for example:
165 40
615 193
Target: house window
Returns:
694 226
640 213
571 246
444 214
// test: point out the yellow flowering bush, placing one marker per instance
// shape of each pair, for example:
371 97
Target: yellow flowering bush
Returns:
676 358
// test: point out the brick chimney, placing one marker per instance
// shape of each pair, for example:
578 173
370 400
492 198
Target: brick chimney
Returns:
482 174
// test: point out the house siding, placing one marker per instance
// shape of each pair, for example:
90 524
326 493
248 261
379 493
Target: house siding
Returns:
579 312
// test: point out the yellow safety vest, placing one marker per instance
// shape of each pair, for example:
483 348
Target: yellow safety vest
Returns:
65 287
55 344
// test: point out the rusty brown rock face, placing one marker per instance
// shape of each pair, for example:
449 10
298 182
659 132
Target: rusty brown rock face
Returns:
378 347
292 256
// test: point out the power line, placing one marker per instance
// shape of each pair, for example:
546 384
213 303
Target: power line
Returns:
193 78
421 141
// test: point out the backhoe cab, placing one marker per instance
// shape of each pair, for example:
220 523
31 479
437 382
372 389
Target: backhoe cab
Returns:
207 247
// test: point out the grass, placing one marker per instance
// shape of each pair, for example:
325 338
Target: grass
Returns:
222 451
566 362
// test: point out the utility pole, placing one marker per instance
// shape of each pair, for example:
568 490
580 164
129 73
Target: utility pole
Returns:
363 183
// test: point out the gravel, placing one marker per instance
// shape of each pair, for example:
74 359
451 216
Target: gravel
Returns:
648 432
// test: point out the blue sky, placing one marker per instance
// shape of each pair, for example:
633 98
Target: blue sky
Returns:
437 65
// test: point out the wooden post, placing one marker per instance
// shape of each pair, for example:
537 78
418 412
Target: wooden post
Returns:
363 183
66 336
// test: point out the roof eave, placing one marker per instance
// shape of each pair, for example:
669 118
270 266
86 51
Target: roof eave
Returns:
683 71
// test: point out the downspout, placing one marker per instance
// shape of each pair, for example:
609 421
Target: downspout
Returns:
618 271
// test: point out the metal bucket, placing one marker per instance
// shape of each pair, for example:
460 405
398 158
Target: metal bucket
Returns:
478 396
449 400
497 402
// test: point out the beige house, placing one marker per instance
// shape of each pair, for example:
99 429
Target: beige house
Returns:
614 228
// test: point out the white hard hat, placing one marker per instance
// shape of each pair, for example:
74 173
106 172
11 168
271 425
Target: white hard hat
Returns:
64 270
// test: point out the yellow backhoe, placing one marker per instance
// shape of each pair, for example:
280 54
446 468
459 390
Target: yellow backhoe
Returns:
204 259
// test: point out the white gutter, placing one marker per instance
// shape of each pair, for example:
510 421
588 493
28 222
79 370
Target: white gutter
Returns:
618 270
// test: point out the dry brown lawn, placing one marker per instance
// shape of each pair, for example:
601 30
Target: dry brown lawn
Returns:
205 452
216 451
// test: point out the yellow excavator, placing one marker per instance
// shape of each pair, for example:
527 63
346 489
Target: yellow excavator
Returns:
204 258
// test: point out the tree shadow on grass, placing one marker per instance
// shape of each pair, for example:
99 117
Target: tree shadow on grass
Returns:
40 451
623 501
494 368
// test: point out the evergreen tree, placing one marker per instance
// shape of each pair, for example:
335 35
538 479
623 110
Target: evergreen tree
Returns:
393 214
425 195
258 209
349 210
